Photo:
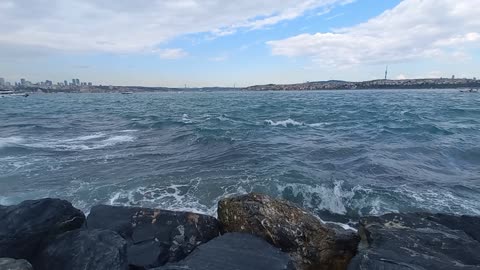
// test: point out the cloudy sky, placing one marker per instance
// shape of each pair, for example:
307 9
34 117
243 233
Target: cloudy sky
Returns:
242 42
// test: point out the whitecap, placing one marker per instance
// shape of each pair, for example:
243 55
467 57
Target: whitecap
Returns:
87 137
285 123
291 122
186 119
81 143
10 141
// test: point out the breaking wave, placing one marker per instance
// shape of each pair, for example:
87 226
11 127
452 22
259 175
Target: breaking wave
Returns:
87 142
291 123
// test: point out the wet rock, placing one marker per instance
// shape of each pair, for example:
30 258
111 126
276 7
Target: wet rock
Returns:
235 251
310 243
418 241
12 264
27 227
85 250
155 237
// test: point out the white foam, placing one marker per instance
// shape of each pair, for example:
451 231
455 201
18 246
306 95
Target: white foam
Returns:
285 123
177 197
439 200
88 142
9 141
320 197
186 119
87 137
116 139
291 122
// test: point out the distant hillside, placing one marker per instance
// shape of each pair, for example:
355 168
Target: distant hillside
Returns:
375 84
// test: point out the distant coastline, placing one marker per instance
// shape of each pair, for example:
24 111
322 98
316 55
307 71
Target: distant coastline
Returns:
439 83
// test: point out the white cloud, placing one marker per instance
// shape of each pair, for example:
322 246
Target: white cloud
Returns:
415 29
175 53
124 26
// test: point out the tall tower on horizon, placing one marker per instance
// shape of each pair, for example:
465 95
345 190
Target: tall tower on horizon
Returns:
386 73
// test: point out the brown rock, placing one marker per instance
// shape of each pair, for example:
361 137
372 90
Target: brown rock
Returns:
310 243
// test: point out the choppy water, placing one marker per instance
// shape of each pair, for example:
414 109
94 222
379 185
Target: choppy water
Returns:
351 153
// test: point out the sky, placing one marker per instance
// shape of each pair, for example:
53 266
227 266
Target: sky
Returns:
237 42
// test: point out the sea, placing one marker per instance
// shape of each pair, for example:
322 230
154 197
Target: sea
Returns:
340 154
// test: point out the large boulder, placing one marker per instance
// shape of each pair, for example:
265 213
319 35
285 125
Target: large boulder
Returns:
418 241
235 251
310 243
27 227
155 237
85 250
12 264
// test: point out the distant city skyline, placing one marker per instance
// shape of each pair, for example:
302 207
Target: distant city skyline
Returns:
242 43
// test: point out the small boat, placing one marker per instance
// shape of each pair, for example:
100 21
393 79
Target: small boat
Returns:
9 93
127 93
469 91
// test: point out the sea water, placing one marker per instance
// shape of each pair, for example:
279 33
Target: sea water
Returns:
337 153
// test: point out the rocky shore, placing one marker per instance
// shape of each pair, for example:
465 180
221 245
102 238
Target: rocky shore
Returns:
252 231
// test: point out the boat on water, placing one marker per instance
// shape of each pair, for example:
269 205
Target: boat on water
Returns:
469 91
9 93
127 93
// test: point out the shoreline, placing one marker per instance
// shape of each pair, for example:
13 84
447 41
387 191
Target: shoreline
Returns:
407 84
52 234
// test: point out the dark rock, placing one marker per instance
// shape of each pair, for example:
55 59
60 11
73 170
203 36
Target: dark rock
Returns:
155 237
310 243
85 250
418 241
12 264
27 227
235 251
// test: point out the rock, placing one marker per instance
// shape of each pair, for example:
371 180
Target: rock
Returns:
27 227
12 264
155 237
85 250
310 243
418 241
235 251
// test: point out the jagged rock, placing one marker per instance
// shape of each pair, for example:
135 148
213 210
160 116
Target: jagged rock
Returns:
155 237
27 227
12 264
235 251
85 250
418 241
310 243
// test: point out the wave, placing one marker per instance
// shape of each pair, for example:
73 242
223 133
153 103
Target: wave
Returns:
360 200
186 119
10 141
290 123
86 142
175 197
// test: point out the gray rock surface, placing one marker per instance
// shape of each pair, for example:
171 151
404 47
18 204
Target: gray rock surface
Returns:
27 227
13 264
418 241
155 237
310 243
235 251
85 250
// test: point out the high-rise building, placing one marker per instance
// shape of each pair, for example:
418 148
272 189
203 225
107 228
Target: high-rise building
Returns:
2 81
22 81
73 82
65 83
77 82
89 84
